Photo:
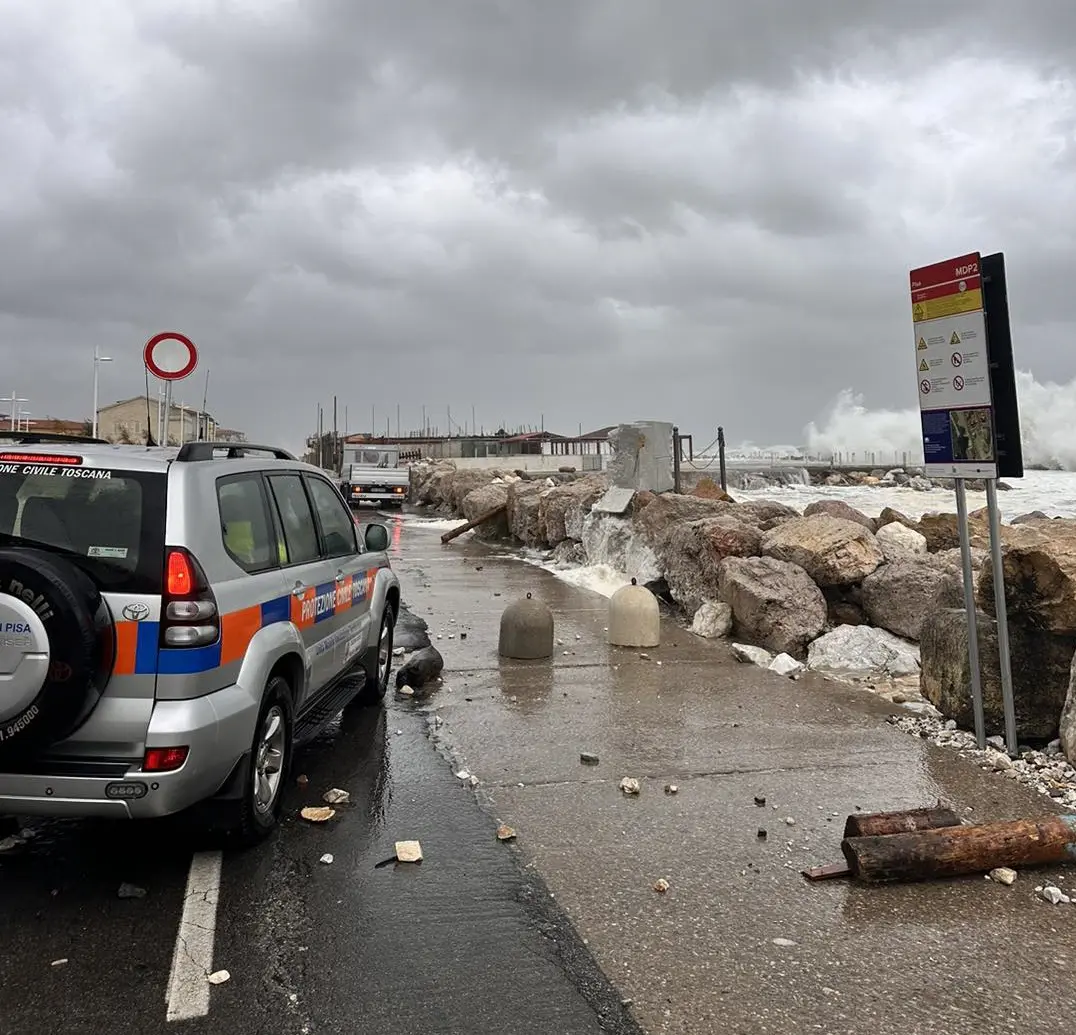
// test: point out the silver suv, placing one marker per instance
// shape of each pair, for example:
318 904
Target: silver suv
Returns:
173 622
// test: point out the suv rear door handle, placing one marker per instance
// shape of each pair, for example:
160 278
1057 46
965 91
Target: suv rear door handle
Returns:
298 589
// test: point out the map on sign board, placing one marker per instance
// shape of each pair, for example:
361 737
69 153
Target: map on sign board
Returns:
955 404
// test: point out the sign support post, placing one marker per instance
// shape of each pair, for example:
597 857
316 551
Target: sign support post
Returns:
969 610
967 404
169 357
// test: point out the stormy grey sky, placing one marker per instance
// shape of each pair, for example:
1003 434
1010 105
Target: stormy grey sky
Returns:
696 210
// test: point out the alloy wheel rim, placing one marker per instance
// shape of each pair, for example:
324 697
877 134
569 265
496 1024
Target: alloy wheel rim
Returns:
384 652
269 760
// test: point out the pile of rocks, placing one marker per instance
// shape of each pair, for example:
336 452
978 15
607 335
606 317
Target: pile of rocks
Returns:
845 594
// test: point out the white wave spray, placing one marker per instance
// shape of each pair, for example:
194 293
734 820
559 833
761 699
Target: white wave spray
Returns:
1047 420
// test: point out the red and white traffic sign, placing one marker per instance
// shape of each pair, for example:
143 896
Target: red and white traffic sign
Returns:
170 356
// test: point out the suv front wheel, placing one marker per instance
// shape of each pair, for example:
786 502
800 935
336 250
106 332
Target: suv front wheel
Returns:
257 811
377 681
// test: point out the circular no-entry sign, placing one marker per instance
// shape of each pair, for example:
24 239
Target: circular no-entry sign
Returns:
170 356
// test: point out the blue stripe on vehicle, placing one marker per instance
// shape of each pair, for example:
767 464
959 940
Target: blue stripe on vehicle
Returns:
146 648
278 610
187 661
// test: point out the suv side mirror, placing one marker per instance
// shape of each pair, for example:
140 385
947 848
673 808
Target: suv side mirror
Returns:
376 538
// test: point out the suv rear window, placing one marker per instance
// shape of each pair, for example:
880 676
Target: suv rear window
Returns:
109 522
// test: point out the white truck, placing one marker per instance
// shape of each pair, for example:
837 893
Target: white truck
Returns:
372 474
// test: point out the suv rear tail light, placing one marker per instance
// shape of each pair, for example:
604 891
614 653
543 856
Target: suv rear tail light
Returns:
189 616
164 760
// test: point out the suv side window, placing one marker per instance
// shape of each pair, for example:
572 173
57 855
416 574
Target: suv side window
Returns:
245 526
337 525
296 518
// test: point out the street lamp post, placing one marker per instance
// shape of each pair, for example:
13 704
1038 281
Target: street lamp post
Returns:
98 359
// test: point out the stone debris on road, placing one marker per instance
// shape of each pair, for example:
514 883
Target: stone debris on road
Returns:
336 796
784 943
629 785
1054 895
789 821
588 759
671 788
1003 875
59 963
505 833
405 690
661 886
760 801
762 835
1047 771
408 852
130 891
218 977
302 780
326 859
317 813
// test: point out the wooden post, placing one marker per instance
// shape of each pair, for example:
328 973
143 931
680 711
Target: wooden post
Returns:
676 459
873 824
959 851
480 520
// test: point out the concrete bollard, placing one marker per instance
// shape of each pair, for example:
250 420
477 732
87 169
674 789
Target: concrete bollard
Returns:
526 631
634 617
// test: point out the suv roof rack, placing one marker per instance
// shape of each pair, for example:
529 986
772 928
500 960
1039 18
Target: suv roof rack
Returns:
33 438
191 452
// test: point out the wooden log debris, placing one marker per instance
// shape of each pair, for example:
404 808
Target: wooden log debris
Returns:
877 824
960 851
467 526
873 824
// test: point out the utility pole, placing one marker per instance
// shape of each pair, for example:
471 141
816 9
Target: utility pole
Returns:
98 359
373 421
397 420
14 400
336 438
424 435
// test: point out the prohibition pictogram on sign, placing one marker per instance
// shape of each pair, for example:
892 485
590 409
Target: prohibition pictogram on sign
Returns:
958 383
924 387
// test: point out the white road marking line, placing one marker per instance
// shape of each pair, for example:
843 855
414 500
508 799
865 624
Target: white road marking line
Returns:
192 958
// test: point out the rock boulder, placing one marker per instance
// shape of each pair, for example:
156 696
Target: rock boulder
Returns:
862 652
524 517
1040 580
773 602
897 540
690 553
481 501
839 509
712 620
1068 717
834 552
897 596
656 512
1041 666
566 505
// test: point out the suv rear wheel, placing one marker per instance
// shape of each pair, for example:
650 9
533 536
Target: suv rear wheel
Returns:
257 812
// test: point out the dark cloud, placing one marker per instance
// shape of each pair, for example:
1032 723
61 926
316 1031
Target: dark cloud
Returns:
583 209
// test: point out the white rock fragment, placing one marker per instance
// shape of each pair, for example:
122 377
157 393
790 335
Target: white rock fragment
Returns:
1055 896
463 775
789 821
59 963
784 943
749 654
1003 875
326 859
661 886
712 621
785 665
629 785
408 852
336 796
218 977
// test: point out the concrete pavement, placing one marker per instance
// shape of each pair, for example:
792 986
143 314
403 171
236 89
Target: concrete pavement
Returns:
740 943
464 943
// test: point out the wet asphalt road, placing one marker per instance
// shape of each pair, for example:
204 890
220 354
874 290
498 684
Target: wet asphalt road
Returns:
466 942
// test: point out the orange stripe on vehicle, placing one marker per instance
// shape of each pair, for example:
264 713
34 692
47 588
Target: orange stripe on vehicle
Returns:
126 648
237 629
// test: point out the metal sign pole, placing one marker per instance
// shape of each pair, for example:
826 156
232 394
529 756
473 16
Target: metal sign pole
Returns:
1001 609
969 608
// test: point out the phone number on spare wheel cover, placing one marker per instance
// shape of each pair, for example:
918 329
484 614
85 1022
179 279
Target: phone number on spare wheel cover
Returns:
20 723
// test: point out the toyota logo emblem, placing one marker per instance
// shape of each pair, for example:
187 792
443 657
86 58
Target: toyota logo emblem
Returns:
136 612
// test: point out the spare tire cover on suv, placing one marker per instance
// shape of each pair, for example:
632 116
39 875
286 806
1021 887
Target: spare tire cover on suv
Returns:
52 650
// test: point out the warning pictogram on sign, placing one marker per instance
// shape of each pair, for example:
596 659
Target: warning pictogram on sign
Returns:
958 383
922 344
917 312
924 387
956 359
955 339
924 365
